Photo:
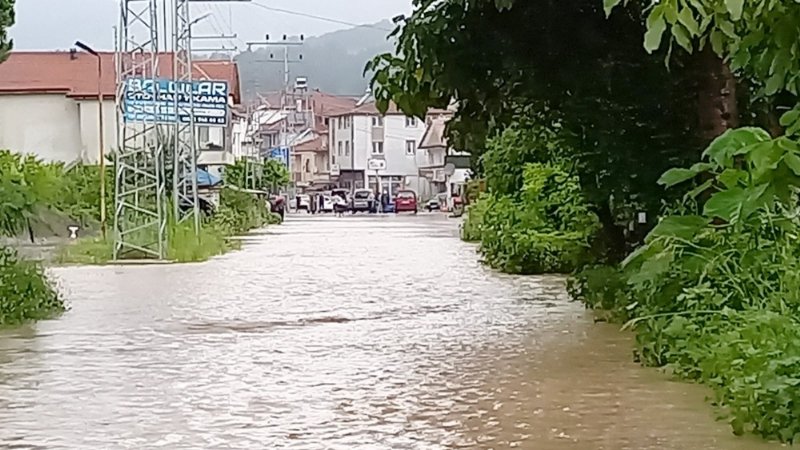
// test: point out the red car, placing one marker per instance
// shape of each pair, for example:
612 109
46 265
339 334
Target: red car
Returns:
405 201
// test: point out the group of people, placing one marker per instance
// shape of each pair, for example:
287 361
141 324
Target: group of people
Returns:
340 203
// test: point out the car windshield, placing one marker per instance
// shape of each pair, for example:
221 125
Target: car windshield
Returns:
405 195
362 194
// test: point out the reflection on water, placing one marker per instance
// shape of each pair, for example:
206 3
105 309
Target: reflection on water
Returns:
339 333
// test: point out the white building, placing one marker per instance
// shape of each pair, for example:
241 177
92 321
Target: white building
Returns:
443 170
49 103
366 147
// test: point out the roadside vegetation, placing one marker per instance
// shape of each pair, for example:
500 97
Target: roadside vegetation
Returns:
26 293
238 212
649 148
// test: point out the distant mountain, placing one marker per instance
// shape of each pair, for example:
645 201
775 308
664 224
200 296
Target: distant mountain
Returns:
333 62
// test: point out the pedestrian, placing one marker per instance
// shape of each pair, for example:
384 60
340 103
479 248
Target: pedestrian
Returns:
313 203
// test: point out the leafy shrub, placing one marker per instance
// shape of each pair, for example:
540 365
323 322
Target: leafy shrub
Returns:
714 294
240 212
471 230
25 292
80 194
266 175
543 229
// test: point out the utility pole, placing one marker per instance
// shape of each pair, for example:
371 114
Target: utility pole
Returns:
139 200
140 203
287 105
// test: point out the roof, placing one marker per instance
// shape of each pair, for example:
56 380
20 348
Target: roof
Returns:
435 134
326 105
318 144
370 109
76 74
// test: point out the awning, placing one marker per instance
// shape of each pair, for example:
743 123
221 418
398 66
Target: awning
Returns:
205 179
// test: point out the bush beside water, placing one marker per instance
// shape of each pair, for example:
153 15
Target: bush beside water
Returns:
714 294
544 228
26 294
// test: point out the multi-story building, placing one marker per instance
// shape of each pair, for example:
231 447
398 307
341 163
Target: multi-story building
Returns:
300 123
379 151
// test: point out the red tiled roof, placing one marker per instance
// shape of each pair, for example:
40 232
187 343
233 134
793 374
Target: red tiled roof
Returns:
76 75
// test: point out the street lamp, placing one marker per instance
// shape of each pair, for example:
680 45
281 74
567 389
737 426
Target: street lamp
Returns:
100 132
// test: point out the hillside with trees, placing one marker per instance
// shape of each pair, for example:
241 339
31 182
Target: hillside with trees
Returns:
333 62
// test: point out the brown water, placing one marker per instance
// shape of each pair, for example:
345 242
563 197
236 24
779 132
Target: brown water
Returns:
337 333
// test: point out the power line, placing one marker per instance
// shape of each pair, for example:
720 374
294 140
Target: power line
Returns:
316 17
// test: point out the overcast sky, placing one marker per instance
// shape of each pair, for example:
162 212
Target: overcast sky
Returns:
57 24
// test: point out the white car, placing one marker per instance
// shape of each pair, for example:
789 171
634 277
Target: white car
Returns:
303 202
327 203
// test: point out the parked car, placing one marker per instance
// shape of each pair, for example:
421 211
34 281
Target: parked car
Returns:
433 205
363 201
406 201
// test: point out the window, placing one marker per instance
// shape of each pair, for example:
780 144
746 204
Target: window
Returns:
339 152
347 148
377 148
411 148
411 122
203 136
377 121
327 121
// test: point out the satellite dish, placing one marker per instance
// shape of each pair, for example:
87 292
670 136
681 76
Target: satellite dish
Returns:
449 169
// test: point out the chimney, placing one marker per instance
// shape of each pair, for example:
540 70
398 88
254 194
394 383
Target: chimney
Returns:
73 54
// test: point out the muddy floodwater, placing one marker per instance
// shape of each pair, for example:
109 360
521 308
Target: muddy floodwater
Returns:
337 333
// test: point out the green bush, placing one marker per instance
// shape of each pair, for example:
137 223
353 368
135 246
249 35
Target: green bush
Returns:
473 223
25 292
543 229
240 212
80 194
714 294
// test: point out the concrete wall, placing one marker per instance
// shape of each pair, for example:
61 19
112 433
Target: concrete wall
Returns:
58 128
47 125
89 126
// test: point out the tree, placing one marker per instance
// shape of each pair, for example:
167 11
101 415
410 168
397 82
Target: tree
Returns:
759 40
6 21
625 117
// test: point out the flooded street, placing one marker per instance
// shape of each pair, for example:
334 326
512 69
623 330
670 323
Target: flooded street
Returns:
337 333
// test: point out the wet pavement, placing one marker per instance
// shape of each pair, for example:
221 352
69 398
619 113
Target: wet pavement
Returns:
337 333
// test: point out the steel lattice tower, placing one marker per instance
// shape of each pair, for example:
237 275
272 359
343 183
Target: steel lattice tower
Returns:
140 199
184 180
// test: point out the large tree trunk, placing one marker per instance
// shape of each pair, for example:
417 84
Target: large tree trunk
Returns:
717 108
610 240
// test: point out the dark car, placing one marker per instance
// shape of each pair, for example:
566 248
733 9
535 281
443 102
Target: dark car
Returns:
406 201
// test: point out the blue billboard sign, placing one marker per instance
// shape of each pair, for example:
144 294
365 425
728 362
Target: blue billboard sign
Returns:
280 154
153 100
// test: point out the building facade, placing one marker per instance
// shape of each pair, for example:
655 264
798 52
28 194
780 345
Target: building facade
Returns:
49 103
374 150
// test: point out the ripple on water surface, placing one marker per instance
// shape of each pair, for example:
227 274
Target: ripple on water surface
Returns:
339 333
